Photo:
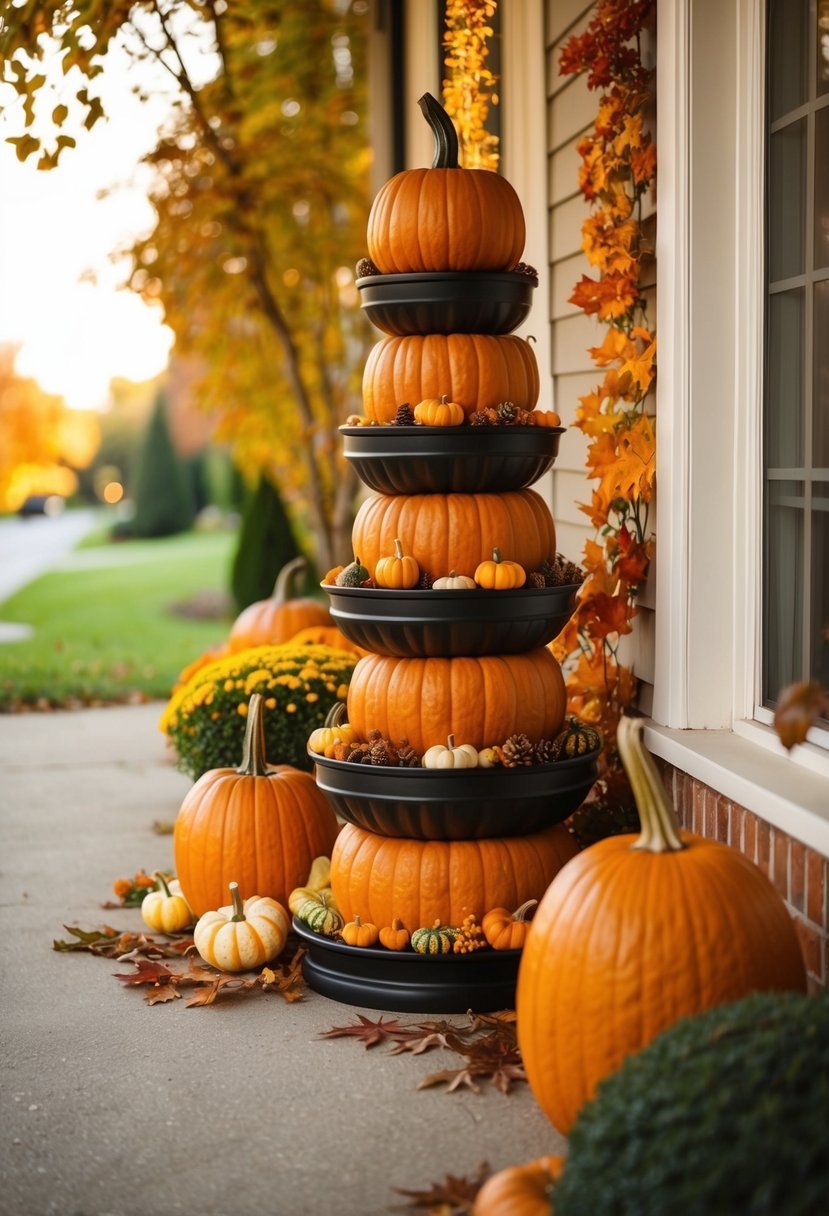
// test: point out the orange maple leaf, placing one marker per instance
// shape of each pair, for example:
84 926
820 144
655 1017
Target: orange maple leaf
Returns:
630 136
626 463
611 297
640 367
610 614
643 164
616 346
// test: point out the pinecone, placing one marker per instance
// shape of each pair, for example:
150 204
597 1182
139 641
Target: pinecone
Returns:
525 268
342 751
561 572
366 267
368 583
383 752
523 418
359 754
536 579
517 751
480 418
424 583
507 412
545 751
407 756
404 416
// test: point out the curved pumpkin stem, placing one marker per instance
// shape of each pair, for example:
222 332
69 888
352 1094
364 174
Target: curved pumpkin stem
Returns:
286 579
496 556
236 900
336 714
520 914
398 549
660 829
443 129
161 883
254 761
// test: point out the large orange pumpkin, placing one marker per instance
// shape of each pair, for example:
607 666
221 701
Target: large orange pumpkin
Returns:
325 635
259 826
520 1190
278 618
635 933
421 881
475 370
480 700
457 532
445 218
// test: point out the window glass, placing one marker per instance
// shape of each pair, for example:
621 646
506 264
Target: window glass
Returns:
788 48
787 197
820 390
822 75
784 385
820 586
783 642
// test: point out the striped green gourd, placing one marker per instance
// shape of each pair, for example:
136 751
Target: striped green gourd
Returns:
437 940
319 917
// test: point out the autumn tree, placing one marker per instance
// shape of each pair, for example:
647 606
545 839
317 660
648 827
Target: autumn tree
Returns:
261 196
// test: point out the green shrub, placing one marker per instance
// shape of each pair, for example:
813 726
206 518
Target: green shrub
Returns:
205 718
725 1114
163 494
266 544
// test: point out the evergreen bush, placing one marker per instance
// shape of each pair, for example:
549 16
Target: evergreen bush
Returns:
266 544
163 495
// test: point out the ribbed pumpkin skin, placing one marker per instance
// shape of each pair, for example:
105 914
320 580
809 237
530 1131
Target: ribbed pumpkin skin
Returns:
480 700
457 532
475 370
268 622
422 881
445 219
626 942
520 1190
261 832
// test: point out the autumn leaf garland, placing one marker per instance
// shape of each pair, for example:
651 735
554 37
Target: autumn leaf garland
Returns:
618 165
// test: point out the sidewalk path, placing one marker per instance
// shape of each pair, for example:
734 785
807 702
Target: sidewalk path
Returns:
29 547
110 1107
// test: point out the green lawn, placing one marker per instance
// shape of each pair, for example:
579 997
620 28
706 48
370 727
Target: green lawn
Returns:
104 629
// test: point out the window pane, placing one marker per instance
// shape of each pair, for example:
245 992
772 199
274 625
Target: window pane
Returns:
783 633
820 411
787 199
822 47
820 585
788 40
784 390
822 188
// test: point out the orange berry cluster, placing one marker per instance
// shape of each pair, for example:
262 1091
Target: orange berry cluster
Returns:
468 937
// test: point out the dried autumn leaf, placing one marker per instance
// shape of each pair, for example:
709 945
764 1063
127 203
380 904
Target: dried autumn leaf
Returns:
85 939
146 973
454 1196
162 994
798 708
371 1033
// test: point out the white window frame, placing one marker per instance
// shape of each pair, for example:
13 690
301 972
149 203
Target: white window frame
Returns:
706 715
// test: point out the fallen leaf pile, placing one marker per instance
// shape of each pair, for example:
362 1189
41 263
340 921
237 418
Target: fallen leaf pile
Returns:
454 1196
487 1043
163 982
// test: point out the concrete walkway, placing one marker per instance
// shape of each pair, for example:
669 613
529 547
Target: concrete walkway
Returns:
30 547
109 1107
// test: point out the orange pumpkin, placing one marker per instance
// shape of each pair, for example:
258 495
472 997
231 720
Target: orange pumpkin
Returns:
499 575
442 412
277 619
261 827
520 1190
472 370
395 936
505 930
421 881
480 699
398 571
636 933
445 218
456 531
548 418
325 635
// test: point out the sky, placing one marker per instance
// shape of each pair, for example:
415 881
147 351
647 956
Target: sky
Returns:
77 330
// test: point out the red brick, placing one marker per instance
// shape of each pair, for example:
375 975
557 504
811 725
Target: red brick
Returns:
763 846
698 808
811 942
710 814
797 876
780 862
750 836
723 819
738 817
816 888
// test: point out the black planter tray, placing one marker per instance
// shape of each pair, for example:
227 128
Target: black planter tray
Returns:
455 804
447 302
435 624
450 460
406 982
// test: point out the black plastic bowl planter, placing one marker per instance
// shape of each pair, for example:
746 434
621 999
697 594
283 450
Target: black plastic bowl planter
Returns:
434 624
456 804
447 302
450 460
406 981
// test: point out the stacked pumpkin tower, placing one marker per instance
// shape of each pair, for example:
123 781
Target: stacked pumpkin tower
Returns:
452 790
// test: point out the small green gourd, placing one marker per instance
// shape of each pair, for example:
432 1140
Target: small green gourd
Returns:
577 739
437 940
352 575
320 917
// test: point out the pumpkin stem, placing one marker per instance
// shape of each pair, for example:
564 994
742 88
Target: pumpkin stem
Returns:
357 921
444 400
254 761
286 579
335 715
398 549
496 556
238 906
397 923
660 830
450 741
521 913
443 129
453 574
161 883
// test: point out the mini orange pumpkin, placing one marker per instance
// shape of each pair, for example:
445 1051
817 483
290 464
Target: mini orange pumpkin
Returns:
520 1190
400 571
394 936
360 933
497 575
548 418
505 930
274 620
439 412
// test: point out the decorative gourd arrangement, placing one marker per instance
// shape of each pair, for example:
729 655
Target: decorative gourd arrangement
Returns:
635 933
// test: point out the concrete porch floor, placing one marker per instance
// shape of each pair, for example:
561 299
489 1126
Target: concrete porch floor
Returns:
110 1107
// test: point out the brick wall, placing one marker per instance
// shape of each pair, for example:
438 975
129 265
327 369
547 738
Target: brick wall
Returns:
800 874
